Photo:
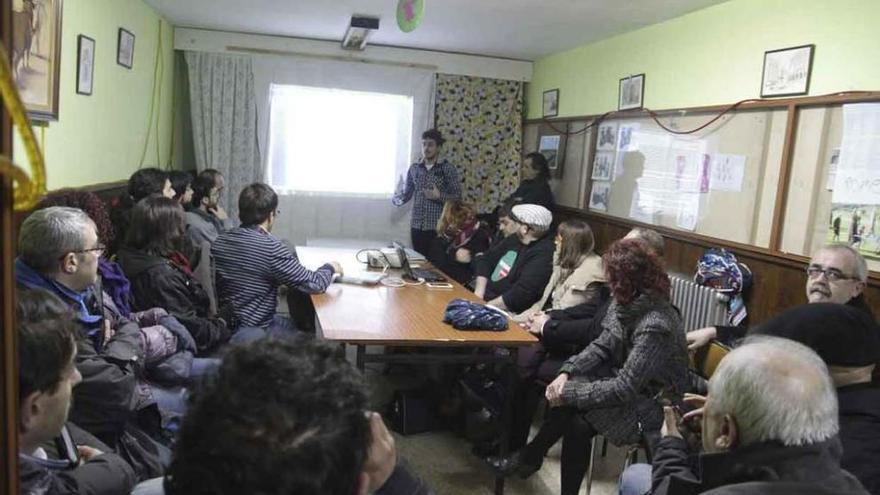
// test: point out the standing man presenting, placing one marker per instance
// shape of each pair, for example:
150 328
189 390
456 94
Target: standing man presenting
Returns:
432 182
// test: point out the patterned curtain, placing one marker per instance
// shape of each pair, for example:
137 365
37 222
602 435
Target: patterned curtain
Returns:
481 120
224 121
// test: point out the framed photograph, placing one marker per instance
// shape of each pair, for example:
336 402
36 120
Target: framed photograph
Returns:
85 64
36 55
603 165
607 138
787 71
599 196
551 103
631 92
549 147
125 48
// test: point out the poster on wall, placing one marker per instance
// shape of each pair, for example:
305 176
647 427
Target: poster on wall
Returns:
857 180
727 172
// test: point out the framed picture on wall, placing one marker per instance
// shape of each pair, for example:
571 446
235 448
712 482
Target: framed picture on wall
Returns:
551 103
549 147
787 71
125 48
36 55
85 64
631 92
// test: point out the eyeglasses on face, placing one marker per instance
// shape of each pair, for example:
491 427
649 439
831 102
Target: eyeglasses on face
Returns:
832 274
99 248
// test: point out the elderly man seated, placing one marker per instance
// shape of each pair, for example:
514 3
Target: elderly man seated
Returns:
837 273
848 341
769 426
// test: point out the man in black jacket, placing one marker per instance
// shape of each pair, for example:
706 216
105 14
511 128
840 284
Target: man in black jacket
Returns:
47 376
286 416
848 341
512 275
769 426
58 252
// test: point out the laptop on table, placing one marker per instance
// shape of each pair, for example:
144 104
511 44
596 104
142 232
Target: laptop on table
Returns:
415 273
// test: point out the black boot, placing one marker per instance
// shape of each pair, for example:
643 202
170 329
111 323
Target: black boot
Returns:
515 463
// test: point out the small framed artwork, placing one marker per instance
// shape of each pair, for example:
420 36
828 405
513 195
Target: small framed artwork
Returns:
85 64
125 48
551 103
787 71
599 196
631 92
607 139
603 165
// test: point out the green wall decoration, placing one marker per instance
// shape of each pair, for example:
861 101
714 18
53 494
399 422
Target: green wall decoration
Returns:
409 14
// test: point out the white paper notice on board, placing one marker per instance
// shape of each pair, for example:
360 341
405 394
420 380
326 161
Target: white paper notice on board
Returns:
688 211
727 172
858 170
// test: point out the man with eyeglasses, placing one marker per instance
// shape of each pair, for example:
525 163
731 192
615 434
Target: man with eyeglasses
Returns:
838 274
58 251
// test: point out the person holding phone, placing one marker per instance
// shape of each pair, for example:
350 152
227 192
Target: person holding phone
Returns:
46 354
429 183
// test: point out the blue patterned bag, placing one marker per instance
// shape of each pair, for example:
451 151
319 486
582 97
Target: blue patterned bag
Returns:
466 315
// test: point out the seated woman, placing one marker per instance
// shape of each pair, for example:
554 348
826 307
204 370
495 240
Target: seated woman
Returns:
575 267
609 387
535 186
161 276
460 237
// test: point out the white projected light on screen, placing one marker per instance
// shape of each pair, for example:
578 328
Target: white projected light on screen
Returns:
336 141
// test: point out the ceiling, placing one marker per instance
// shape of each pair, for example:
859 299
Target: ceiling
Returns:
517 29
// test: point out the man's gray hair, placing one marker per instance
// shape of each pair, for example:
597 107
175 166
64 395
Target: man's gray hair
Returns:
653 238
50 233
776 389
860 263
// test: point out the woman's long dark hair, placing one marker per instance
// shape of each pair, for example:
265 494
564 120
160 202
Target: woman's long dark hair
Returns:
577 242
632 269
539 163
157 226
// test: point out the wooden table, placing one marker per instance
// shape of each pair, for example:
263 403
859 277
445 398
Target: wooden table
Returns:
409 316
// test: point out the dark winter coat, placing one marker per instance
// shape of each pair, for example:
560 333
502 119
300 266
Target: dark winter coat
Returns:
159 282
643 344
523 283
768 468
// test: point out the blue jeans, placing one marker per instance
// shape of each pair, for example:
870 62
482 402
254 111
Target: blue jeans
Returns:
172 400
636 480
280 328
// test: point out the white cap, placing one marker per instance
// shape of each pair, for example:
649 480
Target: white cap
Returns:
532 215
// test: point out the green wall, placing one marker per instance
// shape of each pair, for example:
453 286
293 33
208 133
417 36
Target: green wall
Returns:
100 138
715 55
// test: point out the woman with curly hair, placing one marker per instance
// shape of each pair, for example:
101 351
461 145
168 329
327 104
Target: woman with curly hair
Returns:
460 237
609 387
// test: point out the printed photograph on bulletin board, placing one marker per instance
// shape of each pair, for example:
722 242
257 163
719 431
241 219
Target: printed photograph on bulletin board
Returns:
854 178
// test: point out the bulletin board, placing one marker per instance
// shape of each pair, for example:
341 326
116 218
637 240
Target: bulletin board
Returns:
720 182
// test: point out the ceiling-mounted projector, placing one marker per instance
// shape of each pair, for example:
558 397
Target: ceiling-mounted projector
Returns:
358 31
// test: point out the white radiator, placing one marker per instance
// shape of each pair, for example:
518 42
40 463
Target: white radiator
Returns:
700 306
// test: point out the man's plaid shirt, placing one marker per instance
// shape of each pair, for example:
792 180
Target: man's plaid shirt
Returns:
419 180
